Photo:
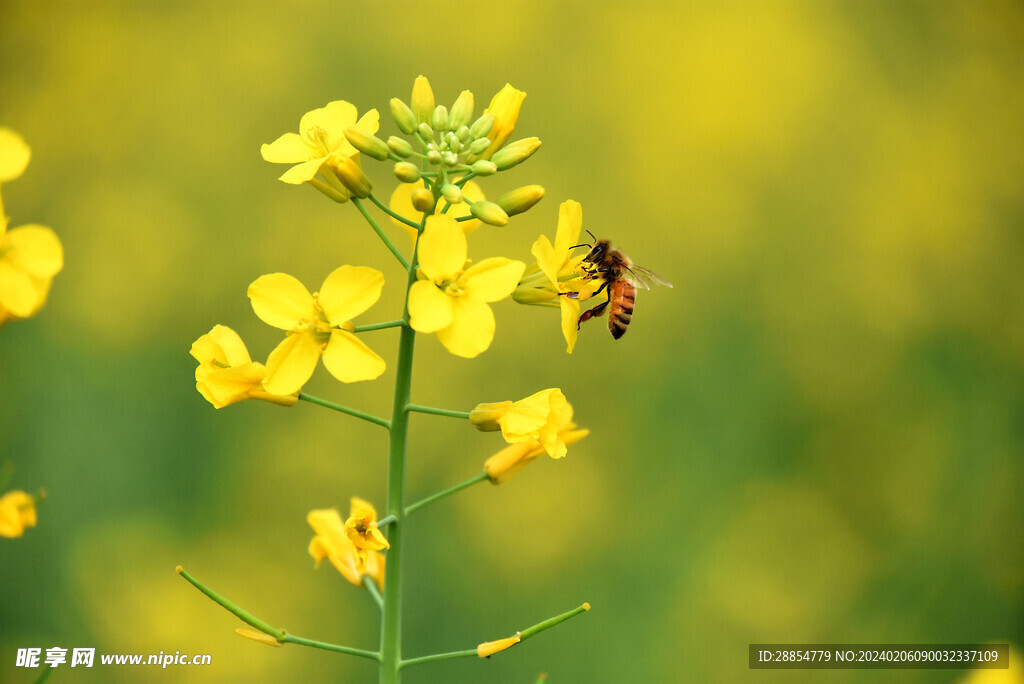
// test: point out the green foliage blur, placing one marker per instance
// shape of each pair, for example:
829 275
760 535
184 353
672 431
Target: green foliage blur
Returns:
816 436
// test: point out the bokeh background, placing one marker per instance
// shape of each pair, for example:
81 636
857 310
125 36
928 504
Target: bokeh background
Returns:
816 436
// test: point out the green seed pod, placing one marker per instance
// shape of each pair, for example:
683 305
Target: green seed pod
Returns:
462 110
483 167
400 146
403 116
519 200
515 153
489 212
406 172
370 145
482 126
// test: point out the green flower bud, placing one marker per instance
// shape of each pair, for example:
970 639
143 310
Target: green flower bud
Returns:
351 176
370 145
489 212
434 157
454 144
440 118
519 200
483 167
450 158
515 153
425 132
406 172
451 193
463 134
479 146
422 99
400 146
423 200
462 110
403 116
482 126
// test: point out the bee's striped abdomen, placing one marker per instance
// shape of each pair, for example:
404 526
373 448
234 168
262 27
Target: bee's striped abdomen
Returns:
622 294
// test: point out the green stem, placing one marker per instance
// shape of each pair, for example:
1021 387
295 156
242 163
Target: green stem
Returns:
447 492
380 326
437 412
523 636
462 181
241 614
387 210
383 422
391 625
380 233
291 639
371 586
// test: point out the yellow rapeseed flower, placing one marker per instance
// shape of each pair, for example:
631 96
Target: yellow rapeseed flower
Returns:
17 512
226 374
489 648
504 108
452 298
542 417
318 325
401 203
361 529
30 255
321 136
557 272
332 542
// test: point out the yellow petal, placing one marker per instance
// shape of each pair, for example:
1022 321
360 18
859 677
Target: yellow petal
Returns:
257 636
430 309
300 173
570 222
422 100
547 258
570 321
492 279
36 250
281 300
332 120
369 122
361 508
503 465
20 294
14 155
348 359
401 203
226 386
489 648
290 148
349 291
504 107
292 363
222 345
527 417
17 511
442 249
472 328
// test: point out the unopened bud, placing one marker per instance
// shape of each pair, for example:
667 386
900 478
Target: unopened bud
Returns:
482 126
450 158
370 145
519 200
403 116
422 99
400 146
425 132
483 167
462 110
440 118
423 200
351 176
463 134
434 157
454 144
485 416
451 193
479 145
489 212
406 172
516 153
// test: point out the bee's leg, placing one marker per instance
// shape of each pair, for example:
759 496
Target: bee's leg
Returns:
575 295
592 312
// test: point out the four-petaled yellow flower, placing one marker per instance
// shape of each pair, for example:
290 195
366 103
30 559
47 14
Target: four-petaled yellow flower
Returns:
401 203
318 325
504 108
542 418
452 298
321 136
361 529
17 511
31 255
557 272
503 465
226 374
332 542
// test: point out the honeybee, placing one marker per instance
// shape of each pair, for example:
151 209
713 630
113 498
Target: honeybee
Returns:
621 278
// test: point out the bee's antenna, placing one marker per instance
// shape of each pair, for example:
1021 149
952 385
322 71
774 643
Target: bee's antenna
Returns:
585 244
592 236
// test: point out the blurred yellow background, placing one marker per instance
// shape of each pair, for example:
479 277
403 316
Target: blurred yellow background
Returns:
816 436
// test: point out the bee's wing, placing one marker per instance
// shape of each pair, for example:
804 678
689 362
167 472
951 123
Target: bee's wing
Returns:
644 277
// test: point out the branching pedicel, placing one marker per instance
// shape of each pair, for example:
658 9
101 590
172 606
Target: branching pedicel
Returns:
439 204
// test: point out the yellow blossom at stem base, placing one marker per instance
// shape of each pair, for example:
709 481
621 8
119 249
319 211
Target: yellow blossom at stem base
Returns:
489 648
